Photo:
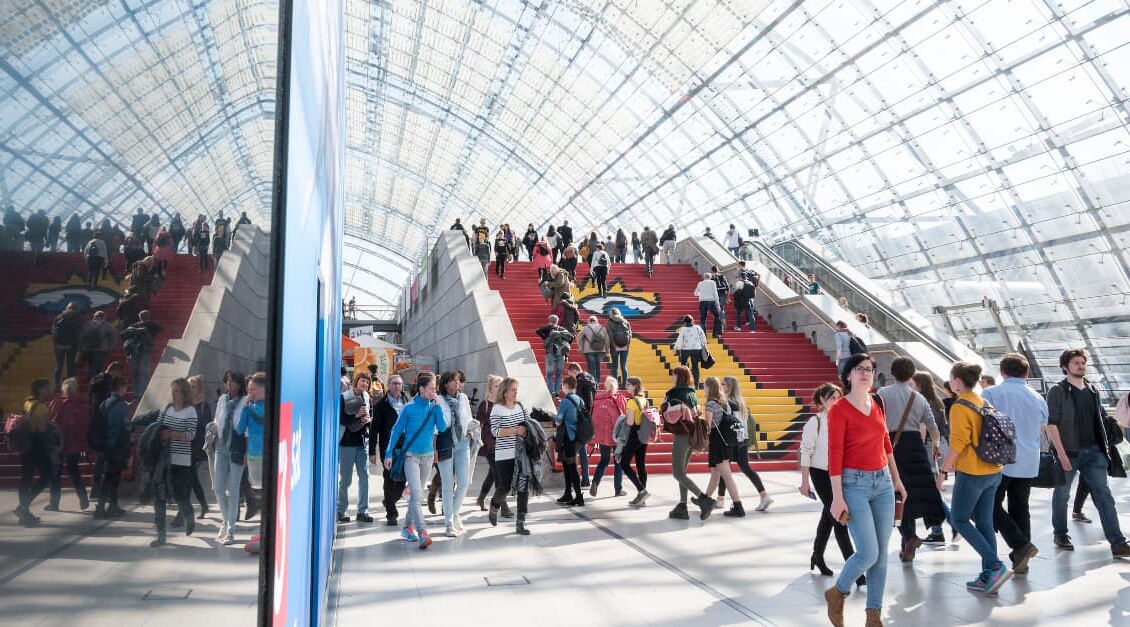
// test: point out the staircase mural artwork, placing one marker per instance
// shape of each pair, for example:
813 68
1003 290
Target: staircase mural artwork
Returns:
777 371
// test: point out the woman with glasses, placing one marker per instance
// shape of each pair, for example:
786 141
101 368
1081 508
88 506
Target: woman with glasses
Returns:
861 466
814 474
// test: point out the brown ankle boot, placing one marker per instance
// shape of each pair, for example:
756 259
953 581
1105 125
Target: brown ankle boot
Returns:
835 600
874 618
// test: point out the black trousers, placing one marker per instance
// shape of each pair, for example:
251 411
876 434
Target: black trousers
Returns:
35 460
504 478
634 450
70 464
740 455
488 482
181 478
392 491
569 462
1081 494
500 265
822 483
197 487
600 275
1015 523
94 267
111 479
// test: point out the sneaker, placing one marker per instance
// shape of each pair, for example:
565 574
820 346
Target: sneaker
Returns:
1080 517
342 518
937 539
621 493
640 499
457 522
425 540
392 522
1063 541
450 532
737 328
55 508
223 533
679 512
977 585
1122 549
997 578
765 502
909 548
364 518
720 502
409 534
1021 556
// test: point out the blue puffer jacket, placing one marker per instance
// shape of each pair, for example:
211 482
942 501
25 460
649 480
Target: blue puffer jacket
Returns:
251 426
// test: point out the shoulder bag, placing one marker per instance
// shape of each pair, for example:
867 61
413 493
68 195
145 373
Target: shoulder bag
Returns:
1051 473
400 451
902 423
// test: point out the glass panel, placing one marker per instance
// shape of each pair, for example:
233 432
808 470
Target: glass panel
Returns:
136 179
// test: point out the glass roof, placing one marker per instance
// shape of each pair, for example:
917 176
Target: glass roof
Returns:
111 106
950 151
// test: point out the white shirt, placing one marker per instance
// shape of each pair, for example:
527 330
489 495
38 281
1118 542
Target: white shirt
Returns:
814 442
706 289
692 337
732 240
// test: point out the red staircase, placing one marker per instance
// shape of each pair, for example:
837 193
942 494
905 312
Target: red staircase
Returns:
778 371
29 304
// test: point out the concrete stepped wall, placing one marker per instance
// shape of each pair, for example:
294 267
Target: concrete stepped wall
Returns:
228 326
462 323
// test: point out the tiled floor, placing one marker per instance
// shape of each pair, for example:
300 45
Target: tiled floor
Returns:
608 564
601 565
73 570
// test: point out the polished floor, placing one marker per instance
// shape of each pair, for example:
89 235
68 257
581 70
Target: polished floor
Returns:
610 565
601 565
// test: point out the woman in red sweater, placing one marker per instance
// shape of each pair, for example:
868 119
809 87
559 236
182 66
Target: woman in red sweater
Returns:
861 465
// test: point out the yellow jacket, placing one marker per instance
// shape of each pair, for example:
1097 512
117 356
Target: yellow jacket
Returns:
965 433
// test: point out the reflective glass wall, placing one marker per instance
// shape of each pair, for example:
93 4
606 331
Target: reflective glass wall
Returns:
136 150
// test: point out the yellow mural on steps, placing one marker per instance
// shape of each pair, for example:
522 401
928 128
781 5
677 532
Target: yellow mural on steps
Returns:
651 356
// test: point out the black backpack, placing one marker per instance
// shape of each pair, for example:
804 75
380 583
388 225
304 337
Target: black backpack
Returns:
856 345
619 333
584 423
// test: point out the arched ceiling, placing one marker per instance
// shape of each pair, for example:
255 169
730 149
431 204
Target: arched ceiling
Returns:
948 150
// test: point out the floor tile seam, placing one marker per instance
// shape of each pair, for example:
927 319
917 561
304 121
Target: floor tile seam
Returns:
679 572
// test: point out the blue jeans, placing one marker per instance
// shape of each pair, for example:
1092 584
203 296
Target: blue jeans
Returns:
416 471
870 499
749 312
976 495
592 364
226 477
606 453
139 373
455 470
554 368
1092 463
348 458
619 362
709 306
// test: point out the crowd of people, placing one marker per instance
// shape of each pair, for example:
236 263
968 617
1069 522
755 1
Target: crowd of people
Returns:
59 431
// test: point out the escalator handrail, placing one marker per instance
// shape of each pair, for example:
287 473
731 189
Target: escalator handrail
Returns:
873 302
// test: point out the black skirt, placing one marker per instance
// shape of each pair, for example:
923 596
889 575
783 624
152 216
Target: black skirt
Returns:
922 497
719 450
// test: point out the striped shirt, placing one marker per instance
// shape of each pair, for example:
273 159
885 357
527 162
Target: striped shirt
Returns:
180 451
503 418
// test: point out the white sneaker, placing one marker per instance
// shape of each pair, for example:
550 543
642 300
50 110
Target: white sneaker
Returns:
640 500
766 501
229 539
457 522
223 532
449 531
737 328
720 502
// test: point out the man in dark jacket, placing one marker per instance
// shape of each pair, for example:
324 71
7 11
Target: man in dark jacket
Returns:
1077 430
116 455
586 389
65 332
137 343
565 234
385 412
74 234
137 225
667 243
36 235
177 232
355 419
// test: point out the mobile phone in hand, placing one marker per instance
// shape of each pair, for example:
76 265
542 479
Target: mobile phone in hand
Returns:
811 495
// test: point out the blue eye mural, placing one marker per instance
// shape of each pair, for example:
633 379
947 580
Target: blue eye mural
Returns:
629 306
54 300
